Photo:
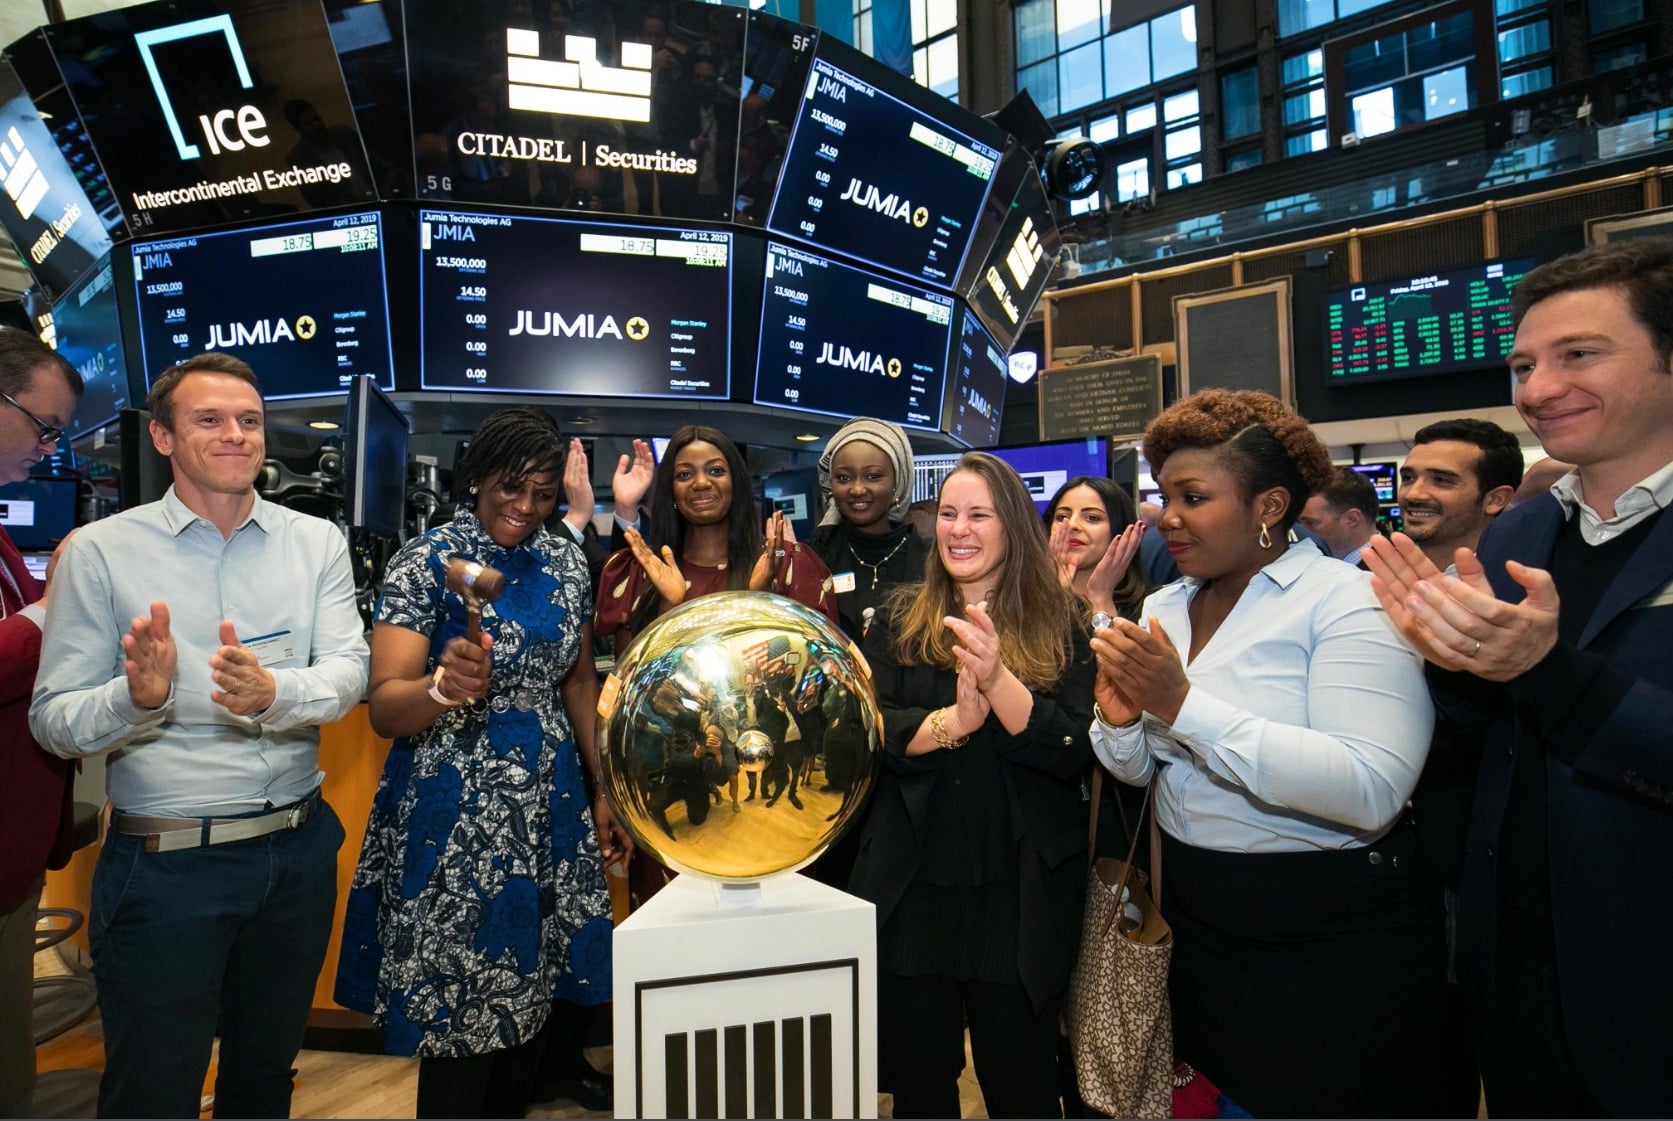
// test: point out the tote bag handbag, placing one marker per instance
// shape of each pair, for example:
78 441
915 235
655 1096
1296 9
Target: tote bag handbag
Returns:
1120 1029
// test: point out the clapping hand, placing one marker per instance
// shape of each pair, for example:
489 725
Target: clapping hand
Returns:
1062 559
662 571
149 657
978 645
245 685
632 480
577 486
778 539
1111 567
1139 670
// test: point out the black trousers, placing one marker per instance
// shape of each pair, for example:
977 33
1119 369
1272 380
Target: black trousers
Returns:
1526 1069
497 1084
920 1045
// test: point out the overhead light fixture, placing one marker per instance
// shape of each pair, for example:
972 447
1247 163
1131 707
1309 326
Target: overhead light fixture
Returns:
324 425
806 437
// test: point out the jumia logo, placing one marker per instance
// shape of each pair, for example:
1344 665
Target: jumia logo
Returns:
262 332
865 361
585 325
889 205
232 129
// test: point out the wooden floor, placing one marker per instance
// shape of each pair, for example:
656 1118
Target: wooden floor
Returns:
328 1083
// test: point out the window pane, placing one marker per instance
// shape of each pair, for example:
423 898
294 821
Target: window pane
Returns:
943 16
1104 130
1520 42
1041 83
1510 7
1183 176
1078 21
862 37
1181 106
1132 180
1182 143
1346 8
1302 15
1300 67
1606 15
1173 43
1304 107
1240 103
1446 93
1084 206
1373 112
1315 141
920 66
1036 32
943 66
1126 61
1243 161
1377 63
1529 81
1141 117
1618 58
1081 78
1441 43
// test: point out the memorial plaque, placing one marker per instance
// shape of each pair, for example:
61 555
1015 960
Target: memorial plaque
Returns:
1115 398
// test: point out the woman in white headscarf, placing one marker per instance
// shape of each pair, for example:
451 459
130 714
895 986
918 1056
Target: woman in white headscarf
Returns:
866 474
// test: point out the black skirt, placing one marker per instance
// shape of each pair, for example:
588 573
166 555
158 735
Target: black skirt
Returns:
1313 984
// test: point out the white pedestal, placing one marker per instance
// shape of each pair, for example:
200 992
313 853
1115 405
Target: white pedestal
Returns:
754 1001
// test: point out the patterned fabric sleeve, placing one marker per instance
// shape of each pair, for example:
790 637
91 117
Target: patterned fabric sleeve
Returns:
619 587
412 587
569 563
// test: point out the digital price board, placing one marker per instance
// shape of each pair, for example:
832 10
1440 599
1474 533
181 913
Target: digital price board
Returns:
302 302
1439 323
874 177
551 305
975 385
841 340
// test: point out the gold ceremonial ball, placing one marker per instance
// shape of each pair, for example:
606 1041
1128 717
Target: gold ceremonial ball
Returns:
739 736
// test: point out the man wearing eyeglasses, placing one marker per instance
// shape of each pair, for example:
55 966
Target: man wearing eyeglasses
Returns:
38 392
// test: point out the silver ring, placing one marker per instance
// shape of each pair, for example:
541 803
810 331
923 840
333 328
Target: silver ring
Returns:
1477 649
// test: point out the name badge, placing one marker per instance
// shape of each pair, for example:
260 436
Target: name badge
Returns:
842 582
271 649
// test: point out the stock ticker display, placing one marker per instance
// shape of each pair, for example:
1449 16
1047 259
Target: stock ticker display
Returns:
837 340
1439 323
872 177
551 305
975 385
302 302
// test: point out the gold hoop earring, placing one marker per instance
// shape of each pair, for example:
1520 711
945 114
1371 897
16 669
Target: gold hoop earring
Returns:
1265 539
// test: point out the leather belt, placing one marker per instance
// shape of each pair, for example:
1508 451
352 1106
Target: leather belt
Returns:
166 834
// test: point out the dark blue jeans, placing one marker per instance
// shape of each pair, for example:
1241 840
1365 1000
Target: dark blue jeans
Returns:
238 930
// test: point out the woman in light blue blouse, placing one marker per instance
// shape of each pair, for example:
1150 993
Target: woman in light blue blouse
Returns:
1284 723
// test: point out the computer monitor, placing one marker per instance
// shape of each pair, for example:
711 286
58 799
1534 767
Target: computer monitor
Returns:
375 461
39 513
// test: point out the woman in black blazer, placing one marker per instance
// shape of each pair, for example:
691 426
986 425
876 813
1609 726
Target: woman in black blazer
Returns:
974 850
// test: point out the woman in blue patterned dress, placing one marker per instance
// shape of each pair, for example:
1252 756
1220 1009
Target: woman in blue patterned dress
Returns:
480 896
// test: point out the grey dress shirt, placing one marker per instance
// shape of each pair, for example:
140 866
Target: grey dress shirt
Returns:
281 573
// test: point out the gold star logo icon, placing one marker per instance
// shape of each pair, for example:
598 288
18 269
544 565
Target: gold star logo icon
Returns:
894 367
920 217
305 326
638 330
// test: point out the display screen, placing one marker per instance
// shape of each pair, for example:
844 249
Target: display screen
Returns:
1046 467
375 470
630 107
1383 478
39 513
88 331
839 340
1008 281
871 176
302 302
234 110
1438 323
550 305
975 385
48 216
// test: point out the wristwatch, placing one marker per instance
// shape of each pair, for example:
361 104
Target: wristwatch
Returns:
1101 620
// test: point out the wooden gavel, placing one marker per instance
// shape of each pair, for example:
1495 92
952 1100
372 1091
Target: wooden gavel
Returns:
476 584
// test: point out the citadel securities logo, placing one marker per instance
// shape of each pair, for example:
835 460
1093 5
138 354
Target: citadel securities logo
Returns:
248 125
580 85
1021 260
25 185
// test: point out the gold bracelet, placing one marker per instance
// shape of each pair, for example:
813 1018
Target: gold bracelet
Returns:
938 731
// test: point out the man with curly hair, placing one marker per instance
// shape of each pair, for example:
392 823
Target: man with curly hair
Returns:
1549 648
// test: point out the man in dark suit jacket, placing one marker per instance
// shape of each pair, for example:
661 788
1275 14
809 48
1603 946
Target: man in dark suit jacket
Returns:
1552 645
38 392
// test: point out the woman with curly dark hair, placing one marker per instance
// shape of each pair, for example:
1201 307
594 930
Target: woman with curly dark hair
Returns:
479 910
1284 724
